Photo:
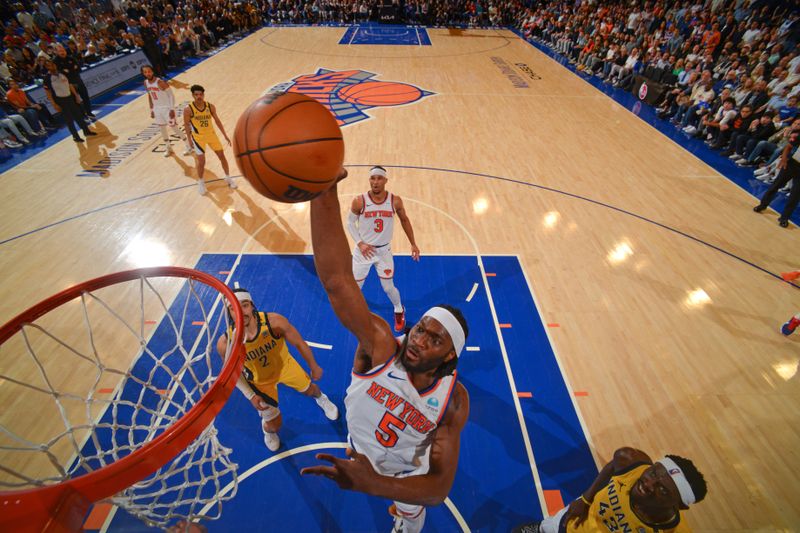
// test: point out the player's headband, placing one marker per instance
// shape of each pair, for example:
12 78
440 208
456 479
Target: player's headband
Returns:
685 490
377 171
451 324
241 294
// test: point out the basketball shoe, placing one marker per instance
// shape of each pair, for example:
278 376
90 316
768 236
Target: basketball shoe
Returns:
400 320
327 406
272 441
788 328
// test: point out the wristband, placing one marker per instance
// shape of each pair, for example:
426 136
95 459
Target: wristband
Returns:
584 500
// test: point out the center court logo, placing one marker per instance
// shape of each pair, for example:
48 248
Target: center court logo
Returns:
350 94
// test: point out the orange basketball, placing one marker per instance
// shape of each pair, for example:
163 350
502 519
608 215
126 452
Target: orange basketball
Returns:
288 146
378 93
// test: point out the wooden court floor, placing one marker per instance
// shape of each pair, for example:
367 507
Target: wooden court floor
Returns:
646 257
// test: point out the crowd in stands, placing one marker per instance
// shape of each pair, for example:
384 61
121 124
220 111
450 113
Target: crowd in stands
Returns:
77 34
731 69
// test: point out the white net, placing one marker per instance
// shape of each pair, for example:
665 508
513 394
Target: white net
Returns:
98 377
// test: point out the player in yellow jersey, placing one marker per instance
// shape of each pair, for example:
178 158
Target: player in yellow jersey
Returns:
197 120
268 362
631 493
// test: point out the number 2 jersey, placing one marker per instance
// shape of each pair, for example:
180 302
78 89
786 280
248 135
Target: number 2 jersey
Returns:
376 221
265 354
391 422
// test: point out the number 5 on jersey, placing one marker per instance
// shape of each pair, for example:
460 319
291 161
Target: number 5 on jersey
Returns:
385 433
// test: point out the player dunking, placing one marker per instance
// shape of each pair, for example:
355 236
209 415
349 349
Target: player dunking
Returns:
371 224
268 362
162 108
405 408
197 120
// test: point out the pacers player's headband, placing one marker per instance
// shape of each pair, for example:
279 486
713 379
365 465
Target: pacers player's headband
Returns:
241 294
685 490
377 171
450 323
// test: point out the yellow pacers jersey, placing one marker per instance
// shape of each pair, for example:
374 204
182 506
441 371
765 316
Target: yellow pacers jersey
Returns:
266 354
201 120
611 509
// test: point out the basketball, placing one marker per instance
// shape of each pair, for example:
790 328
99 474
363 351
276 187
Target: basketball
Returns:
288 146
380 93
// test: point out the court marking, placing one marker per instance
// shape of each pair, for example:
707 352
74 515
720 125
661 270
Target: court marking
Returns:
581 420
613 95
472 292
509 374
193 185
308 448
508 41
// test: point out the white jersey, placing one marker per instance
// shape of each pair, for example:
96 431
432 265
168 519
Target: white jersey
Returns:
391 422
376 221
159 96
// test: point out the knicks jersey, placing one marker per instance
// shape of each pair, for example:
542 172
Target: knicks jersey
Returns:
159 96
611 509
265 354
201 120
376 221
391 422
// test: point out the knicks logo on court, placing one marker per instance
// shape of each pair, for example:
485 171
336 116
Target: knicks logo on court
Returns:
350 94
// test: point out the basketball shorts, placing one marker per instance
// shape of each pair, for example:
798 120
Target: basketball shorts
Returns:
383 261
291 374
161 117
200 141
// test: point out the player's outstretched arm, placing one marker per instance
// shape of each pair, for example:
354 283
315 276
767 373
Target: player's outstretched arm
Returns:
281 325
334 267
356 473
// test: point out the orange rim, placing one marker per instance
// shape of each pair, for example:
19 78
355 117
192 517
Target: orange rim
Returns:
63 506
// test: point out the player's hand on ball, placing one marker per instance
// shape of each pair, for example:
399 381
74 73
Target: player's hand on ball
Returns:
414 252
342 175
259 403
355 473
367 250
316 372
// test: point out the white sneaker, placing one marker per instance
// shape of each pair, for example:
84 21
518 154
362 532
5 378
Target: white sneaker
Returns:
188 151
691 130
202 186
272 441
230 182
328 407
761 171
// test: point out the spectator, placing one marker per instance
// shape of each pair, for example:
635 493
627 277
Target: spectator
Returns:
759 130
22 105
11 121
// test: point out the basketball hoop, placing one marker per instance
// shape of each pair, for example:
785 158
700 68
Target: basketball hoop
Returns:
151 425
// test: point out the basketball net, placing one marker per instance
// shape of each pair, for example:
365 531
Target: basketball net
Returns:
96 379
